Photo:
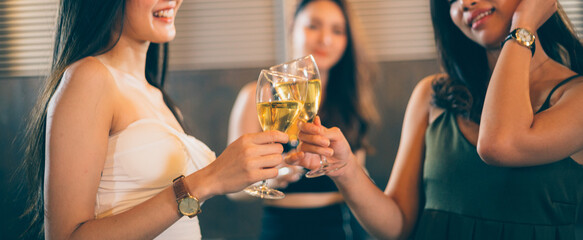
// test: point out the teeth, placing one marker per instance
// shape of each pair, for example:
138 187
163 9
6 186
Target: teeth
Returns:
168 13
482 15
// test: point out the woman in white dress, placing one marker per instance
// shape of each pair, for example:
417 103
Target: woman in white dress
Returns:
107 151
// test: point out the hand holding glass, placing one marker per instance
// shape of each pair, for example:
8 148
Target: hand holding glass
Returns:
306 67
279 100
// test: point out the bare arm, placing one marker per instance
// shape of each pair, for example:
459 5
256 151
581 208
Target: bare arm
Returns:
78 125
510 133
393 213
404 186
361 159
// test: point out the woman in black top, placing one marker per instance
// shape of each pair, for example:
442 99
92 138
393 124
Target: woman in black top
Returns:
313 208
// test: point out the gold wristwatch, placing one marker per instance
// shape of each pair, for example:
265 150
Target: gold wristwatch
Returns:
188 205
523 37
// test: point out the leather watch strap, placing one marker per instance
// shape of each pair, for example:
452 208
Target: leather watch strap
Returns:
179 189
188 205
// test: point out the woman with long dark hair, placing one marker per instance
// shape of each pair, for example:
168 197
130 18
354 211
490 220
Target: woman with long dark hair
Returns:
107 156
490 149
327 30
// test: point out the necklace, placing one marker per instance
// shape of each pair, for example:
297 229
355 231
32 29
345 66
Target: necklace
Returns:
540 64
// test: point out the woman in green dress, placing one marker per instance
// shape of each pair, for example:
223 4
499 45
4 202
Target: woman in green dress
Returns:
492 147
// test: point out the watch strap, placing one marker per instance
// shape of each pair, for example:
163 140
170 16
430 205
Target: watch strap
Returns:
513 36
182 194
179 189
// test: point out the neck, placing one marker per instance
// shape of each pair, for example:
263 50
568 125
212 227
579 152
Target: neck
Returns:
324 80
539 58
129 56
492 56
324 77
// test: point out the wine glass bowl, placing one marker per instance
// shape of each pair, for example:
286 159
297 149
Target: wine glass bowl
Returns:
307 68
304 67
280 98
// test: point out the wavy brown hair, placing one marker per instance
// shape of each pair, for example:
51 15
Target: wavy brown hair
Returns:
350 100
83 29
463 89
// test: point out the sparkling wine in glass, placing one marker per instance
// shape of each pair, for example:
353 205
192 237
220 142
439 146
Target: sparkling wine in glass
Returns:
277 110
306 67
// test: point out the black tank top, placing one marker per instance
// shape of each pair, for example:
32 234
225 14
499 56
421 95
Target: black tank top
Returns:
547 102
309 185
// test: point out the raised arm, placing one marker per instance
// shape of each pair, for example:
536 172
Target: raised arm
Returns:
393 213
79 122
510 133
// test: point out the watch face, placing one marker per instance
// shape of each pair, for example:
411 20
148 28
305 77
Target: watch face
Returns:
525 37
188 206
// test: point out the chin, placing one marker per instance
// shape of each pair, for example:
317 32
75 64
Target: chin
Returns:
164 39
490 40
160 42
323 64
491 47
491 44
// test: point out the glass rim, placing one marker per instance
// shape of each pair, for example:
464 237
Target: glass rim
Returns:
281 75
295 60
310 56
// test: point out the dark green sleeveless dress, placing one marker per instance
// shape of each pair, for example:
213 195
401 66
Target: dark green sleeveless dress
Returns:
464 198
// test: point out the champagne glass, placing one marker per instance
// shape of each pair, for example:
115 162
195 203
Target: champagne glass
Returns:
279 101
306 67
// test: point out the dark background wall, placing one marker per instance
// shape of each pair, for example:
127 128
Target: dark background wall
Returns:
206 98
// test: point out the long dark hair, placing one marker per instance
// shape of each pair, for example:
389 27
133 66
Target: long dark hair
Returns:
463 89
83 29
349 102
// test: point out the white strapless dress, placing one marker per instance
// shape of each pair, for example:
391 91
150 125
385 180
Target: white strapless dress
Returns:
142 160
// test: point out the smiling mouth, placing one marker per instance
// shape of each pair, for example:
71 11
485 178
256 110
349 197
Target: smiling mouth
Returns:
166 13
482 15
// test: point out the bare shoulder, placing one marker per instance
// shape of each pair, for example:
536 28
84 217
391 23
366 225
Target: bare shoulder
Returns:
423 95
86 81
425 86
247 93
89 66
249 88
243 118
88 74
